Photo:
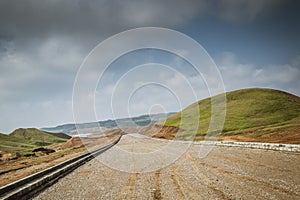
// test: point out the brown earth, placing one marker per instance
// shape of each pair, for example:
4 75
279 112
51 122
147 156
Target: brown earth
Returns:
291 136
155 130
285 137
74 141
159 131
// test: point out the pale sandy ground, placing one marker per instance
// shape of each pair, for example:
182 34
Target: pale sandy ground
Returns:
225 173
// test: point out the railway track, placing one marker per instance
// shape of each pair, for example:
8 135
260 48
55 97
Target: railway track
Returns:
31 185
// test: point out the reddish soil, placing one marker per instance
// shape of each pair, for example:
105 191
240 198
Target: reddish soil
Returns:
74 141
159 131
285 137
282 136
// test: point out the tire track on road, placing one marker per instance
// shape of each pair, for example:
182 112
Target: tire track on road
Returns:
177 186
129 189
202 178
181 183
157 190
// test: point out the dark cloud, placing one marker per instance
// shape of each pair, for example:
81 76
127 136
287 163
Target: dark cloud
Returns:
33 18
89 17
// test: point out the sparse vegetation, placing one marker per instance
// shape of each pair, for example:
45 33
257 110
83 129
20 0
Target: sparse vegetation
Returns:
21 142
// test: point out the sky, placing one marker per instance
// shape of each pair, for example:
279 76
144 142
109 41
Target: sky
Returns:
254 43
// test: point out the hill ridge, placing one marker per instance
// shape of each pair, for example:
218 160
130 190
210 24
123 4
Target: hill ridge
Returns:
247 110
38 136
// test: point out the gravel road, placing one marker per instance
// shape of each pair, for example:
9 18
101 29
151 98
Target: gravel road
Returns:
156 173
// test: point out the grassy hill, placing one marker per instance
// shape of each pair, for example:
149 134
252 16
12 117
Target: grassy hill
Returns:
38 137
248 110
23 141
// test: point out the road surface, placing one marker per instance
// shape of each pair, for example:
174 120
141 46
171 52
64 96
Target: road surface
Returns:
225 173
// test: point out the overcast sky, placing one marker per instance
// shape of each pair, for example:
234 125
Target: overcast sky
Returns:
255 43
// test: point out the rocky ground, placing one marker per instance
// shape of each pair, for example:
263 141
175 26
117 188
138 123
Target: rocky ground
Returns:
139 167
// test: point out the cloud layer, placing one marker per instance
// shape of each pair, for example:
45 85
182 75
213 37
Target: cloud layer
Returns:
42 45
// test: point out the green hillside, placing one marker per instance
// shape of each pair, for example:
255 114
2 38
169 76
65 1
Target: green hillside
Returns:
24 141
10 143
36 136
246 110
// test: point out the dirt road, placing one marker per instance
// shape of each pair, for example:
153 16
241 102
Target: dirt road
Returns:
225 173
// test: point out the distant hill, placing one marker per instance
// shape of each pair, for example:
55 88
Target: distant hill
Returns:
25 140
256 111
60 135
142 120
39 136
